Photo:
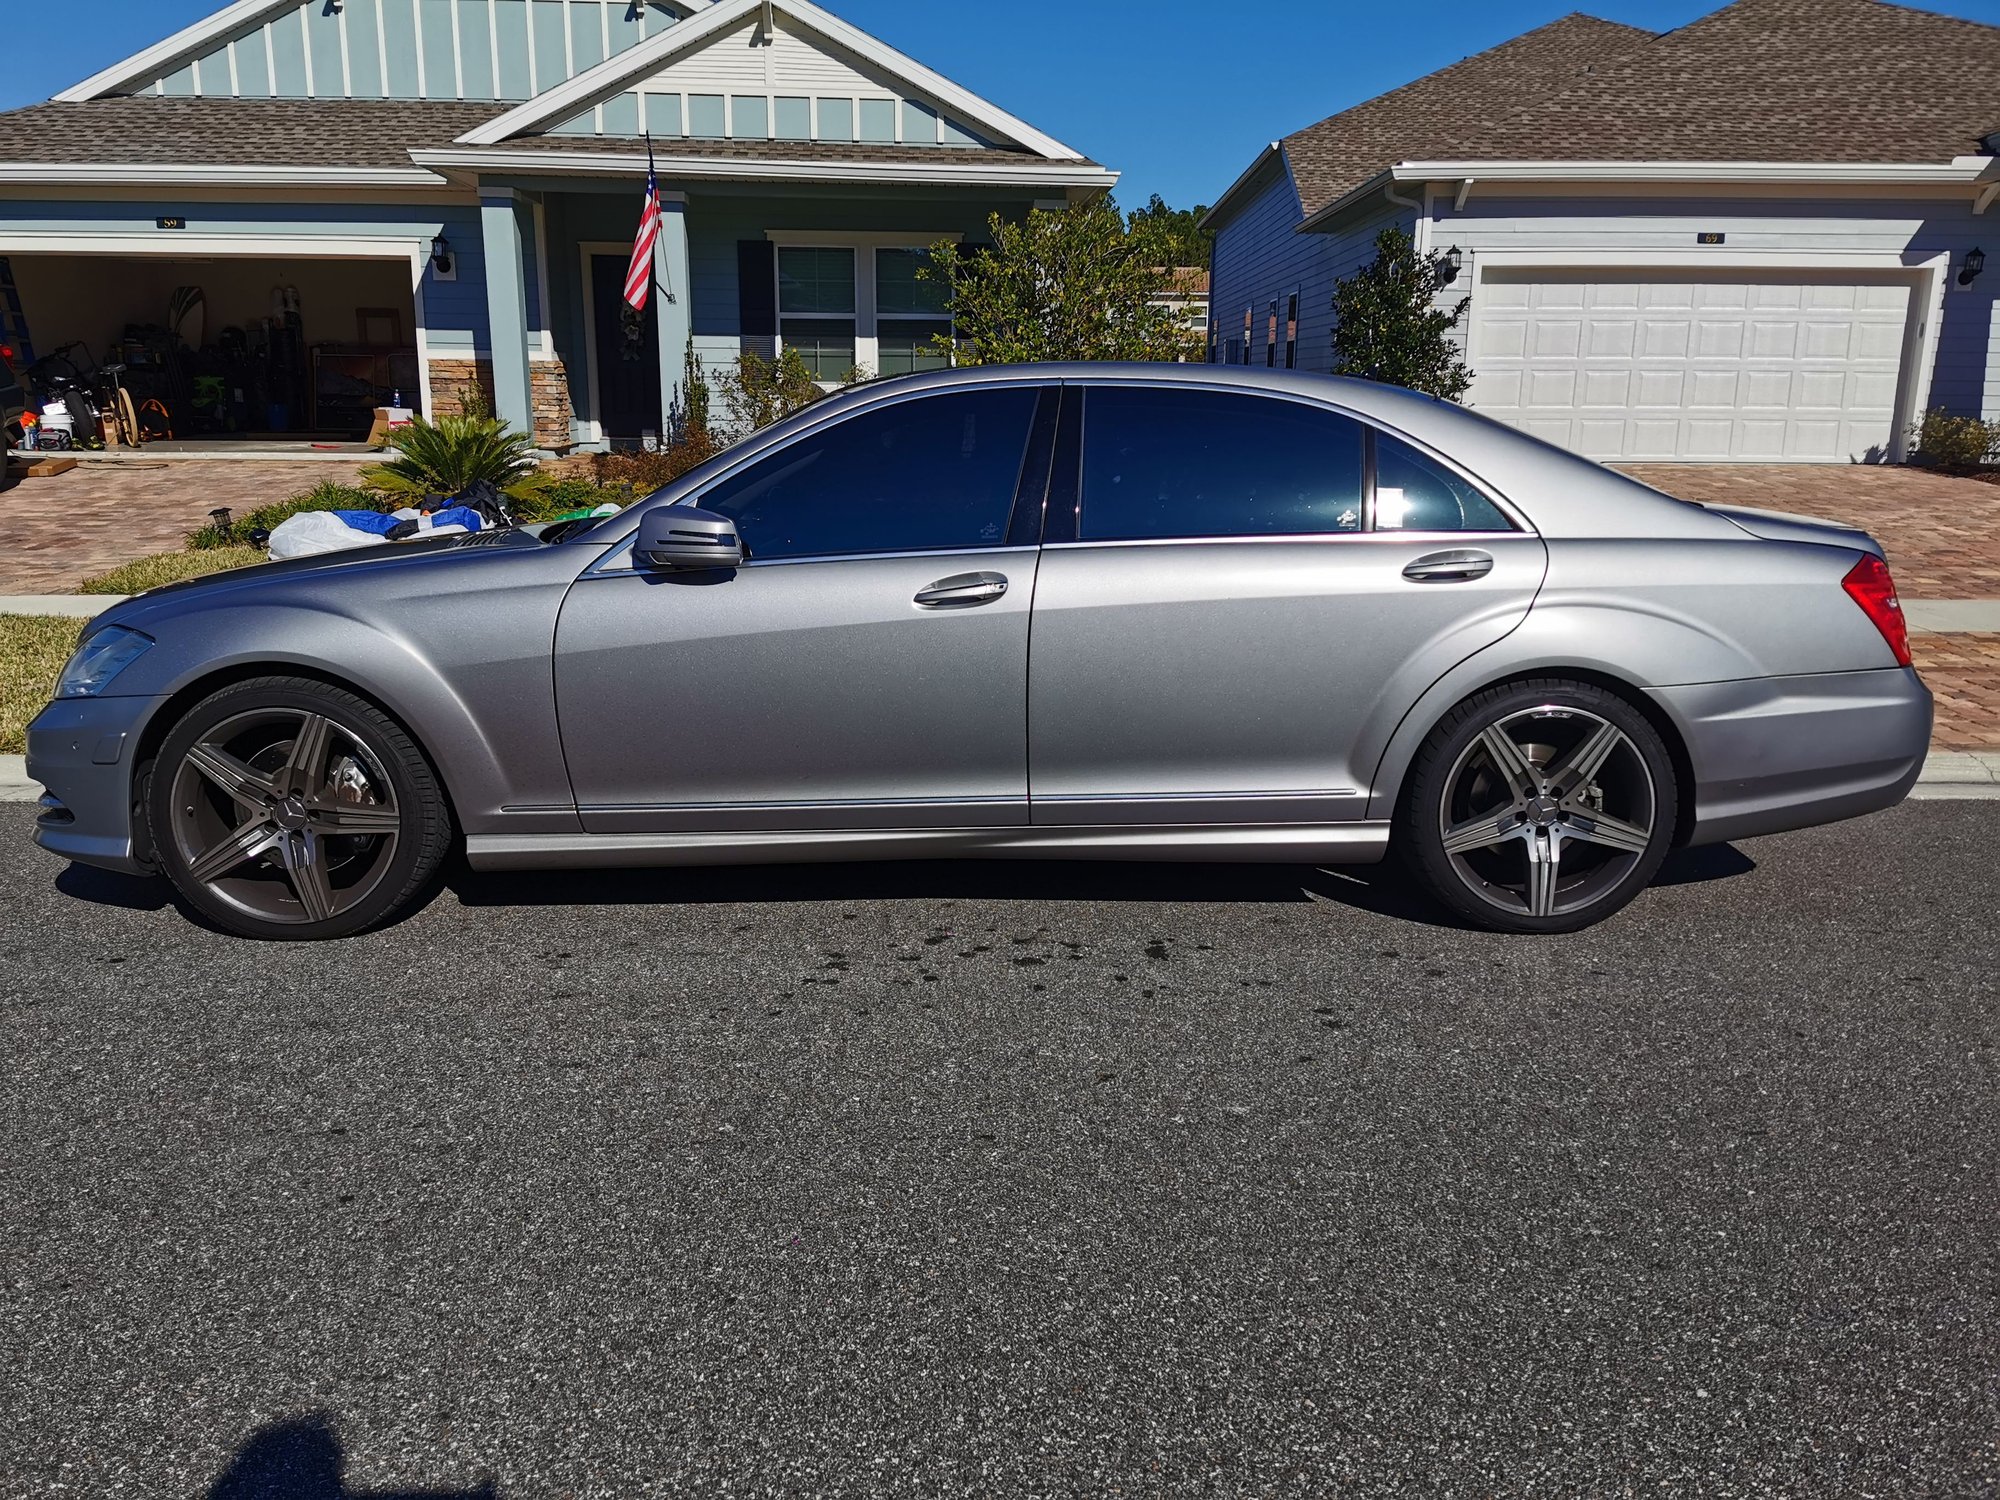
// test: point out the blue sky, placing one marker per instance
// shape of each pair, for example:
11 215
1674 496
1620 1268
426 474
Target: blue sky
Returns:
1177 95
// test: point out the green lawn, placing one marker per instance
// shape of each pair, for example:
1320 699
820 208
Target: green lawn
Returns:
33 649
170 567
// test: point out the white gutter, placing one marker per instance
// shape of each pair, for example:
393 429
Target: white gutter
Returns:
1033 173
1960 171
154 174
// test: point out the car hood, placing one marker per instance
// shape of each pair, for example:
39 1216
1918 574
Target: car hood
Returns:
1782 526
217 587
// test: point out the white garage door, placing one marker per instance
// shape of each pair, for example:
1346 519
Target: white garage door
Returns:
1797 366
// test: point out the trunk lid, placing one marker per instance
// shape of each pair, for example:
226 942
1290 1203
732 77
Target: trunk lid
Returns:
1782 526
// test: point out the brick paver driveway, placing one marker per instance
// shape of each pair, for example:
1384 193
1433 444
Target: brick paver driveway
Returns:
56 532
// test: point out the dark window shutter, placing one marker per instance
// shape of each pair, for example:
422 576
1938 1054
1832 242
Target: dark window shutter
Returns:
757 288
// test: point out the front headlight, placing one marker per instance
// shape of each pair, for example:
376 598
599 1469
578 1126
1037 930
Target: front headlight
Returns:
102 656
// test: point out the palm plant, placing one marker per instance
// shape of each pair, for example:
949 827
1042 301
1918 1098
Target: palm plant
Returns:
447 456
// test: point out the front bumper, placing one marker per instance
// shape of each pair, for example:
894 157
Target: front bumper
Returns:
1776 753
82 750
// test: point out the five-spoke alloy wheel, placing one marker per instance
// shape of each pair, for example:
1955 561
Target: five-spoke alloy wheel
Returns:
286 808
1539 807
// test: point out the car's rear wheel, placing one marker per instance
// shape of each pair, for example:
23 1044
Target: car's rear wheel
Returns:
1540 806
291 809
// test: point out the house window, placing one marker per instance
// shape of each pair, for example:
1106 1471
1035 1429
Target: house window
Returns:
860 306
1292 332
816 307
909 313
1248 314
1271 337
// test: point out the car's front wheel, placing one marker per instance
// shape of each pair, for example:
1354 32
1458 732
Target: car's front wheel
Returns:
1539 806
291 809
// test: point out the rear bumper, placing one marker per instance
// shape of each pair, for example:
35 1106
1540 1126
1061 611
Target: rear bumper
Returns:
81 750
1776 753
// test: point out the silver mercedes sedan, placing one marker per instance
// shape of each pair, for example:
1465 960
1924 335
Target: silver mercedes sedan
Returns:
1091 611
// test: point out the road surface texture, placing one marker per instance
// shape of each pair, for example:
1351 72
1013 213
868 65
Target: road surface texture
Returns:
1012 1180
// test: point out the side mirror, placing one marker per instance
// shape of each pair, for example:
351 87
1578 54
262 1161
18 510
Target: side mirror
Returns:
678 536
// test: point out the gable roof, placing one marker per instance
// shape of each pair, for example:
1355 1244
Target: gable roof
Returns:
565 99
1446 112
1777 81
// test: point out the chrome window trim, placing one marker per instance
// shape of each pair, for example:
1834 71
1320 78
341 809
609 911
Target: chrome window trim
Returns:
618 562
1427 538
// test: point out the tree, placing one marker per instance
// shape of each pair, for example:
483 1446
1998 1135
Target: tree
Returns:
1387 324
1067 284
1186 242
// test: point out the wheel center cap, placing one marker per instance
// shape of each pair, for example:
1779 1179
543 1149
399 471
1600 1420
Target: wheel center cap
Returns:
1542 811
289 813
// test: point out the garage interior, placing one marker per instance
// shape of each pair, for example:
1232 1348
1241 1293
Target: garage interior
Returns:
271 351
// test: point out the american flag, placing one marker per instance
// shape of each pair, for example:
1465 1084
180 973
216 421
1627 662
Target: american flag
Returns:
639 275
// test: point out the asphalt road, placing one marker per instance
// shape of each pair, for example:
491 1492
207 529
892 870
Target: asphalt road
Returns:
1012 1180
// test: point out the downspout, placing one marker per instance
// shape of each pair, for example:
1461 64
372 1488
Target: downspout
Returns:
1420 231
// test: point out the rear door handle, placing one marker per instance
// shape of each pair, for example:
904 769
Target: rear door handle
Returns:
963 591
1456 565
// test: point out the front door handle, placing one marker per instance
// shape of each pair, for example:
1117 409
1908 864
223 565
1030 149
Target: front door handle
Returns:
963 590
1456 565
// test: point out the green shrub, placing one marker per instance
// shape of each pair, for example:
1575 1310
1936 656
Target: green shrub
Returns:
558 497
449 455
326 495
645 472
1948 441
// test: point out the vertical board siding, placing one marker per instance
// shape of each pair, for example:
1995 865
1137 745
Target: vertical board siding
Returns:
1259 258
569 36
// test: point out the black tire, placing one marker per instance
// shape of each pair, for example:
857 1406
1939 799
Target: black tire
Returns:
1487 835
287 809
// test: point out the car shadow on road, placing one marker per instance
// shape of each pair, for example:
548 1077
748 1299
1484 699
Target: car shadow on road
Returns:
302 1459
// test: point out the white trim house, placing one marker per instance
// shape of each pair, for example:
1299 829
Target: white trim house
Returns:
497 150
1755 239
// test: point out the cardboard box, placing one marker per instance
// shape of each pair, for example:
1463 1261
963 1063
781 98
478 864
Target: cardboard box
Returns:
387 418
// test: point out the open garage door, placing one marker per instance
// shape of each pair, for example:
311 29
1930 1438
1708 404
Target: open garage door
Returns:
222 348
1795 366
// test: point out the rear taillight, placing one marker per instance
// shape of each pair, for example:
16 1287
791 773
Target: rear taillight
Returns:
1869 585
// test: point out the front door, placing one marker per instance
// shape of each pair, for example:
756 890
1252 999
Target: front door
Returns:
627 377
866 668
1251 588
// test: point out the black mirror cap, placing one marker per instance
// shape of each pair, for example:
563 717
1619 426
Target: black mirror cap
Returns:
677 537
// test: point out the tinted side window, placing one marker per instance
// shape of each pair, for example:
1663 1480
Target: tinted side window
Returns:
929 474
1177 463
1412 493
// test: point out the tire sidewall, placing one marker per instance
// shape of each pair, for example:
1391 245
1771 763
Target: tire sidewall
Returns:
409 776
1420 840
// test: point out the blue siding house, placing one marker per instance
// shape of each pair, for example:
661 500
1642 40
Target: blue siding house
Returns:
1759 238
432 194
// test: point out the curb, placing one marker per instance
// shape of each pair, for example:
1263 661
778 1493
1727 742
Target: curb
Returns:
72 606
1948 775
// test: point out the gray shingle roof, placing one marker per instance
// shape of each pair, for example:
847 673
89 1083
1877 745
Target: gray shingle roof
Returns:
1759 80
147 129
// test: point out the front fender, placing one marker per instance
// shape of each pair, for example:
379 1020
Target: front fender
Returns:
460 659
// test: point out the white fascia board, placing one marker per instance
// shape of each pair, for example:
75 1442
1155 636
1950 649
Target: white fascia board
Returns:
568 98
1962 169
1243 181
143 173
1036 173
158 58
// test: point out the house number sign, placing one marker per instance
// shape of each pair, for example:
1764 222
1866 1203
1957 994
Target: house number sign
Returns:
1709 237
170 221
